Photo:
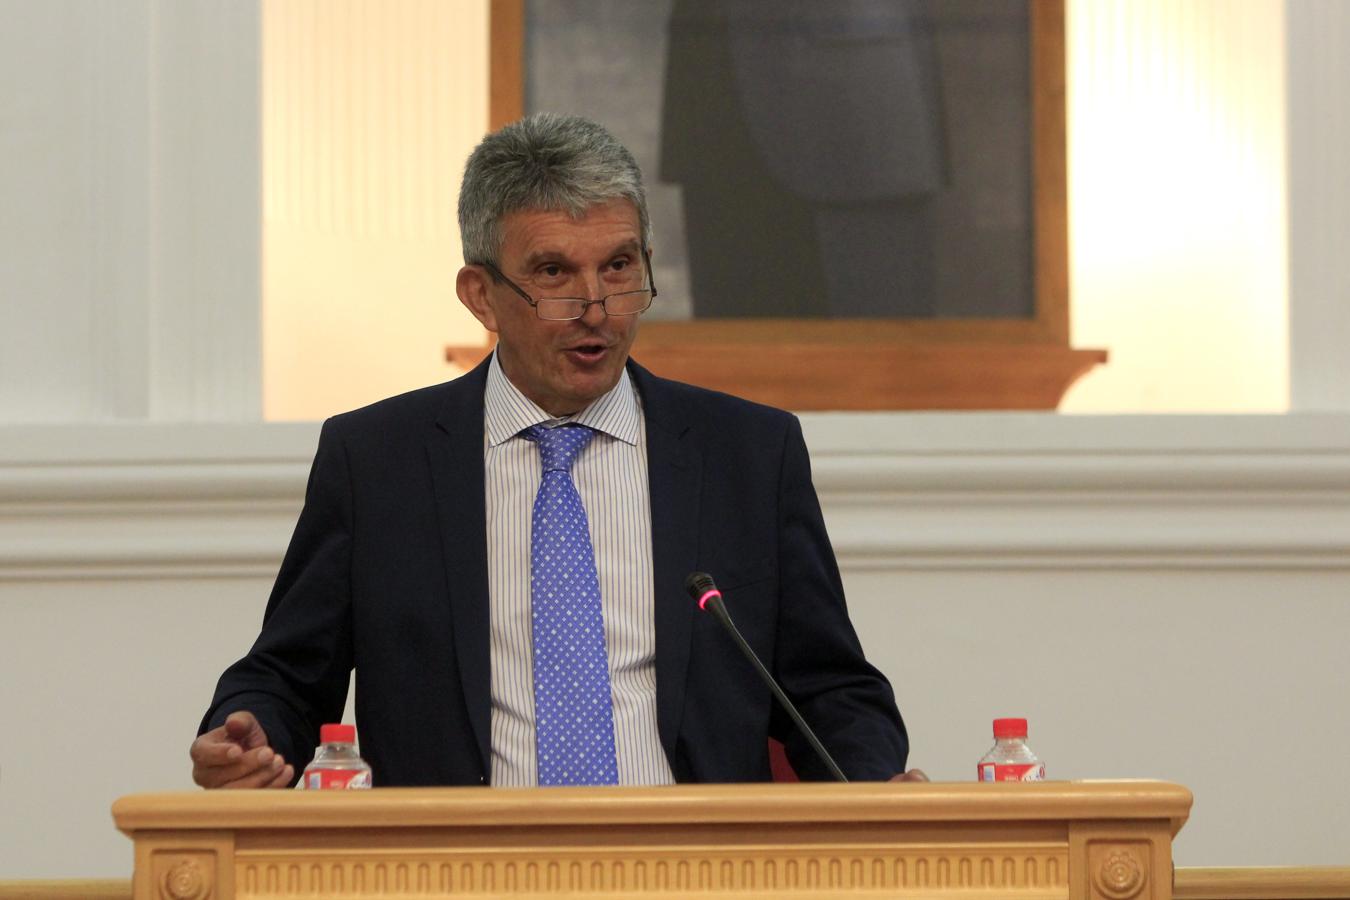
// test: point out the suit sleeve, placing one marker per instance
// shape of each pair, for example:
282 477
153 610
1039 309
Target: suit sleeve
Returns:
818 659
295 677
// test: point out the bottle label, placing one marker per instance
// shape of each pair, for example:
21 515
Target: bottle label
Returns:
1012 771
339 779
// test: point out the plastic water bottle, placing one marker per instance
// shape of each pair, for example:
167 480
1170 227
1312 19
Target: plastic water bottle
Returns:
336 763
1011 759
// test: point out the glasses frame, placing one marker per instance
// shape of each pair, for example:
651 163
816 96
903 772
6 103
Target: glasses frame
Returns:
585 303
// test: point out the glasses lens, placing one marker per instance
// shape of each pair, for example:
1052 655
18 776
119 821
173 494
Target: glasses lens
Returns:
560 309
629 303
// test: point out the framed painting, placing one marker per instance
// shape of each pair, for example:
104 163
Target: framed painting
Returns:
856 205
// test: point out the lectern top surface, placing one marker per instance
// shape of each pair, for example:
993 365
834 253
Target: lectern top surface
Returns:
711 804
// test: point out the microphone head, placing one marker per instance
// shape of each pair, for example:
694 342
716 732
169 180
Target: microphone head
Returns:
698 584
700 587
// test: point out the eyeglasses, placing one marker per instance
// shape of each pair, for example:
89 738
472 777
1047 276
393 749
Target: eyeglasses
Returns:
565 309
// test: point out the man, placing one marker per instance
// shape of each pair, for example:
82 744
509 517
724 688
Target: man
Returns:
517 618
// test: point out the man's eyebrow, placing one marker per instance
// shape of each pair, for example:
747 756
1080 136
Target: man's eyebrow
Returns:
629 246
539 257
544 256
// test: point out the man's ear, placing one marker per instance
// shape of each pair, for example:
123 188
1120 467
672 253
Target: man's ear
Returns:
472 287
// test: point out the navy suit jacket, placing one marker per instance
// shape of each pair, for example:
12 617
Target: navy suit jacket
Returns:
387 573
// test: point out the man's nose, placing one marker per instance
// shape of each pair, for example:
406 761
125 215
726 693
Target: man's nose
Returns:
591 287
594 313
594 291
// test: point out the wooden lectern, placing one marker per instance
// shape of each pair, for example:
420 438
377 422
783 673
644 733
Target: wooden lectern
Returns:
1107 840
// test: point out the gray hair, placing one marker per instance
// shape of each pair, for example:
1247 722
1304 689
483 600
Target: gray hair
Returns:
548 162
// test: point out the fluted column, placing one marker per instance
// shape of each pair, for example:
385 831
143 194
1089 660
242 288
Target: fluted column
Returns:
1318 41
129 272
1176 176
205 317
370 111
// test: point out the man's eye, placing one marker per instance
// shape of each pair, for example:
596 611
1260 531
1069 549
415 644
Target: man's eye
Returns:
619 265
550 271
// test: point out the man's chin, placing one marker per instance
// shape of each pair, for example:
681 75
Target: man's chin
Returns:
585 387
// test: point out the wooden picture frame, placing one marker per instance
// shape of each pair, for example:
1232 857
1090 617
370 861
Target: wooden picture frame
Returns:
859 364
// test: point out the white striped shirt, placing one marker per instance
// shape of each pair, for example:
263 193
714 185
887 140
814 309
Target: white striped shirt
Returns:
611 477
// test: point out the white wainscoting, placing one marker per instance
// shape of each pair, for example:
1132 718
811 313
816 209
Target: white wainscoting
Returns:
1161 596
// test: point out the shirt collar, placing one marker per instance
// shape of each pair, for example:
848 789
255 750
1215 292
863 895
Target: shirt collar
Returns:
507 412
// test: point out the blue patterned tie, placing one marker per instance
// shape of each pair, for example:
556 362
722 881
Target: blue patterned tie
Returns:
573 712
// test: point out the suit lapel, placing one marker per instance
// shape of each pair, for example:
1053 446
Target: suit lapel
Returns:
674 472
455 454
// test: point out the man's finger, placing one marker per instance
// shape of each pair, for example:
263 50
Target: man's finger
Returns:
214 749
241 726
263 776
283 778
253 762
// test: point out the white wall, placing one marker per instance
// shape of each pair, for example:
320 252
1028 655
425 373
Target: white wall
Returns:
134 564
1205 556
1162 597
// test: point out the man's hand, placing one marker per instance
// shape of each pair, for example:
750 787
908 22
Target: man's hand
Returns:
236 755
911 775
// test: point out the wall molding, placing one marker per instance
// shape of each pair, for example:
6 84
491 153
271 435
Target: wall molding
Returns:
1048 492
900 491
113 501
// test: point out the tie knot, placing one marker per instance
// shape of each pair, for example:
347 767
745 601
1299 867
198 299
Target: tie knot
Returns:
559 447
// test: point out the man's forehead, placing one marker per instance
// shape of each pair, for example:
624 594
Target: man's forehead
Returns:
530 230
619 207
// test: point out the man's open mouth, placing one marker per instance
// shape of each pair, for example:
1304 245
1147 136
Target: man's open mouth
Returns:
589 352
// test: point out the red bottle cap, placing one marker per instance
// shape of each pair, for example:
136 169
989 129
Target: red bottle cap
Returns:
1010 728
337 734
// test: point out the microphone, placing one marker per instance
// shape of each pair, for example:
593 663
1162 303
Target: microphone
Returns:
709 599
